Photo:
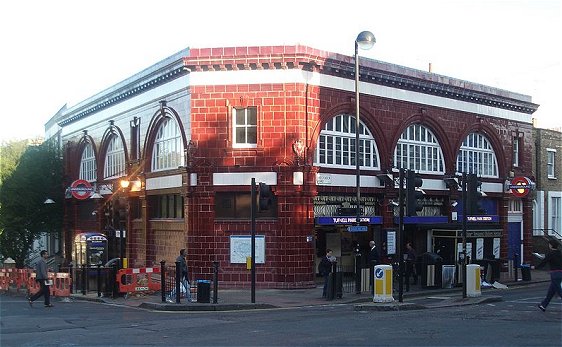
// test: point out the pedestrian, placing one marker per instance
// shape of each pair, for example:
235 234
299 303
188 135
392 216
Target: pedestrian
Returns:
184 277
410 265
325 268
42 277
554 260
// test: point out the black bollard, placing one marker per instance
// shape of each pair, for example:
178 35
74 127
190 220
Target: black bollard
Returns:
357 273
99 280
84 279
163 280
215 281
178 279
70 274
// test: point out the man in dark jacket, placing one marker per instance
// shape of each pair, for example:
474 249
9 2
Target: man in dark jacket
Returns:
325 268
42 276
554 260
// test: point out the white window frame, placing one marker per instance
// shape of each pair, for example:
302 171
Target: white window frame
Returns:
477 156
555 213
418 149
516 140
168 152
551 163
246 127
336 145
88 166
114 165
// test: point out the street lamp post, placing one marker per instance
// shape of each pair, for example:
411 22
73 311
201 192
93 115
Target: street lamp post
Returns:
365 40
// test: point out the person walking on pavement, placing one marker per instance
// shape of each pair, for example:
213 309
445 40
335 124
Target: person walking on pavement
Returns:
325 268
554 260
42 277
410 265
184 276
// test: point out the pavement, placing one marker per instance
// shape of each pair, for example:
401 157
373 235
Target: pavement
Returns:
240 299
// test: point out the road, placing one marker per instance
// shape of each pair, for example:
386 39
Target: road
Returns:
515 321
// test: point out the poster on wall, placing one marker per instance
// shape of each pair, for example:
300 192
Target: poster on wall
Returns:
479 248
497 247
391 242
468 250
241 248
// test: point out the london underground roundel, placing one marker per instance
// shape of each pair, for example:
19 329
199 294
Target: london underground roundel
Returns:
81 189
520 186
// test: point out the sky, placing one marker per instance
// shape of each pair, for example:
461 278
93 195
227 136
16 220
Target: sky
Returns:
60 52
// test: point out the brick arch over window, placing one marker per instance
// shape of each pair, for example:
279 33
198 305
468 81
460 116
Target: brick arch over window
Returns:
348 109
337 141
112 164
487 149
163 116
87 166
418 148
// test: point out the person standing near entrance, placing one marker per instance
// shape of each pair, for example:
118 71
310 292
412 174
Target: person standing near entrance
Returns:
554 260
184 277
325 268
42 276
410 265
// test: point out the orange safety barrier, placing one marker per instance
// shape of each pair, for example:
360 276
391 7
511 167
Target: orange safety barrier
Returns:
33 286
61 285
22 278
4 280
138 280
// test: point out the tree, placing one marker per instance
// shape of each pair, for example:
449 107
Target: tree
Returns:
23 214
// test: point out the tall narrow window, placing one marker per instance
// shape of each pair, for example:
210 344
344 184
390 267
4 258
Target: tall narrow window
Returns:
515 151
477 156
555 211
336 145
168 147
88 167
418 149
550 162
114 158
245 127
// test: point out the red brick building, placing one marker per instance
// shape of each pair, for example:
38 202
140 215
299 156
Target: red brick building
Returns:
193 130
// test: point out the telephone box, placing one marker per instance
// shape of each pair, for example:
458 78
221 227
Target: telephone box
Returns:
90 249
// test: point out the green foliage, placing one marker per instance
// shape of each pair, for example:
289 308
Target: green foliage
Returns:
23 214
10 154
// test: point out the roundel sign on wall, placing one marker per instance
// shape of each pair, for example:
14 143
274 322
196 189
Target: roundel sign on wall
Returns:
520 186
81 189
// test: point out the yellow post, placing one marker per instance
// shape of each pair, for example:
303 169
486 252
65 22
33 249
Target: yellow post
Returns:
249 263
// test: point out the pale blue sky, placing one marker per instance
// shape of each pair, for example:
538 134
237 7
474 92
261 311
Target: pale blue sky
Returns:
63 51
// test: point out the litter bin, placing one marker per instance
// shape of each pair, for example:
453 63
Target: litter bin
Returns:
431 270
525 272
204 291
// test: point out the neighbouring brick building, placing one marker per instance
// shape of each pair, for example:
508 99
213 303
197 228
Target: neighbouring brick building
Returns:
547 205
193 130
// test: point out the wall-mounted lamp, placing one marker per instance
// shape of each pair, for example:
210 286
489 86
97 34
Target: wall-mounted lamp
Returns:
394 203
385 179
454 203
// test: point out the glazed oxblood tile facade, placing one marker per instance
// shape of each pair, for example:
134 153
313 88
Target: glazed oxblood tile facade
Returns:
282 98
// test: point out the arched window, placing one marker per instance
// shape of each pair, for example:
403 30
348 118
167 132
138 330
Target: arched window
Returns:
336 145
477 156
88 167
168 147
114 158
418 150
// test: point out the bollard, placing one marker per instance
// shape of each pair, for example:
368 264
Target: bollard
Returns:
382 283
163 280
99 280
473 280
71 275
178 279
357 272
515 265
115 291
84 279
215 281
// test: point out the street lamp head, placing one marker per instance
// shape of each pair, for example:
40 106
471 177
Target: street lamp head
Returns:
124 183
49 201
365 40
